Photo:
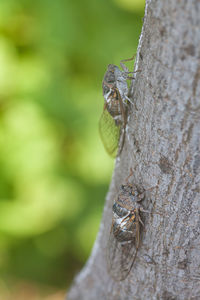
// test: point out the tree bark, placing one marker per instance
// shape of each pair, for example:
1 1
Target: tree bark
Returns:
162 147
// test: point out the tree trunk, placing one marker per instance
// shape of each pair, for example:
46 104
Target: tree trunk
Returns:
162 146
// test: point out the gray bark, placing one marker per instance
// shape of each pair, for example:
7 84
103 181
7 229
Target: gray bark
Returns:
162 147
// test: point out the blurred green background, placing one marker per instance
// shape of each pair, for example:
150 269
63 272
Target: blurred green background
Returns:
54 172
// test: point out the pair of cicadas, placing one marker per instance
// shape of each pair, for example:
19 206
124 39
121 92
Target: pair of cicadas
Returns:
125 230
113 120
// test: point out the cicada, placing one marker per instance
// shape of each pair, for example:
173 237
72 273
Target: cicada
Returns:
112 123
124 238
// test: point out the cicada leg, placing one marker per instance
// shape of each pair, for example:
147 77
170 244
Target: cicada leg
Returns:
123 65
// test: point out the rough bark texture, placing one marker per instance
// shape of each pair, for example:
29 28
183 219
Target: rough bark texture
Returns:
162 147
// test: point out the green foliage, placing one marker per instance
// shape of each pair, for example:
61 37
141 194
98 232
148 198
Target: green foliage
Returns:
54 172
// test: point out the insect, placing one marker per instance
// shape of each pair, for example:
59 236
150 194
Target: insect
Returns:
125 231
112 123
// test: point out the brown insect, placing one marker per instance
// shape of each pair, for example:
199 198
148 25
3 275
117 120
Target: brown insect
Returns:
112 123
124 239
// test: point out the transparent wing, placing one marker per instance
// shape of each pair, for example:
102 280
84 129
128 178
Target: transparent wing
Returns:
120 257
109 132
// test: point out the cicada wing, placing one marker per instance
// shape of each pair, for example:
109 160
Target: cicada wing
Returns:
109 132
120 257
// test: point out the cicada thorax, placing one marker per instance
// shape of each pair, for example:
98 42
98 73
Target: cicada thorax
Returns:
114 101
128 196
